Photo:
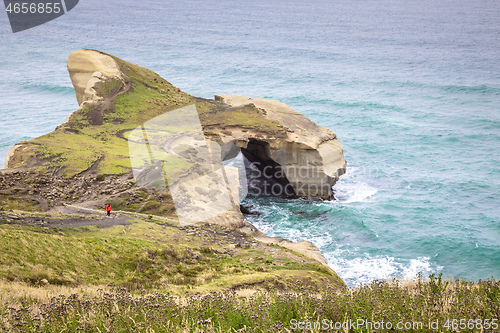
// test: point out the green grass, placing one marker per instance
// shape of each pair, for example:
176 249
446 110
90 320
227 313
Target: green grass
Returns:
395 306
10 201
151 276
139 254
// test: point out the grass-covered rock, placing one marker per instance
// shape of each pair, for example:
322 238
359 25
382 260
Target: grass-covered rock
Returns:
147 253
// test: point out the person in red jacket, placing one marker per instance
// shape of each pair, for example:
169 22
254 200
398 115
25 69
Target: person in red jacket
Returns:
108 209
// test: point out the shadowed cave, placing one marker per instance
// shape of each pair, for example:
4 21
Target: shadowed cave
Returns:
265 177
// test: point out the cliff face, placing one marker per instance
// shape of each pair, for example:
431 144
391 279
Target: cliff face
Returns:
95 76
310 156
115 97
132 142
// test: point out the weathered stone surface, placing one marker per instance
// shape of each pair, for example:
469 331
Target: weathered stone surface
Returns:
310 155
304 247
10 154
294 149
87 68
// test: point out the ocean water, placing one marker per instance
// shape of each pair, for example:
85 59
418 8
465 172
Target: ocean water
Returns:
411 89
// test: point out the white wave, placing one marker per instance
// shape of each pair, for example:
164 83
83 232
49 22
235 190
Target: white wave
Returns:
295 233
266 228
347 192
415 266
365 269
320 241
351 189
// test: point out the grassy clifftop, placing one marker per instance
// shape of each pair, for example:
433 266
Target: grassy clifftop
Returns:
139 252
87 142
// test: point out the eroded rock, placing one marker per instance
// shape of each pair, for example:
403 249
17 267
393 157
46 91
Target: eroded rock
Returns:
310 156
302 158
89 70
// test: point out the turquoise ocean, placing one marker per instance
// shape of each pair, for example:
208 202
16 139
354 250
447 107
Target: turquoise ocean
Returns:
412 90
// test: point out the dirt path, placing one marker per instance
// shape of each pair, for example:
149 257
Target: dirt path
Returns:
67 222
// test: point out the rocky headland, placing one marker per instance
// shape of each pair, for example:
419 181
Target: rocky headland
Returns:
86 162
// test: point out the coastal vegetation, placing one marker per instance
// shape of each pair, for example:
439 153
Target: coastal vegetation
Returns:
145 252
66 268
383 306
146 274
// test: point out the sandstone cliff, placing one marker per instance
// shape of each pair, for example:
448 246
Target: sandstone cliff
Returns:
310 155
87 160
